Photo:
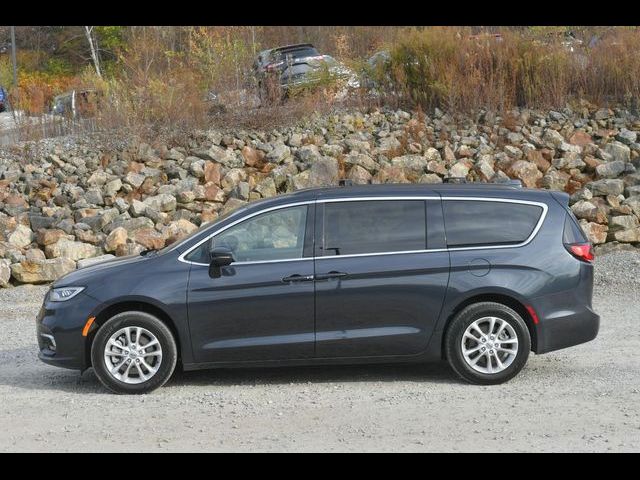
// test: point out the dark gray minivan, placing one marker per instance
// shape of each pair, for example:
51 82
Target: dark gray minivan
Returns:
477 274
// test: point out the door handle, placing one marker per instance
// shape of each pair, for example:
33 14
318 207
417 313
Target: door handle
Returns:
330 275
298 278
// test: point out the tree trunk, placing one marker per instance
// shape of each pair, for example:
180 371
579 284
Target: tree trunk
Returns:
94 50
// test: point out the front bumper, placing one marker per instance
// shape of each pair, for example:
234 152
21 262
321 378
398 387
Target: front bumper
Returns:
59 331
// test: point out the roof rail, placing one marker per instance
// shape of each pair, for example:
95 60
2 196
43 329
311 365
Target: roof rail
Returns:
462 180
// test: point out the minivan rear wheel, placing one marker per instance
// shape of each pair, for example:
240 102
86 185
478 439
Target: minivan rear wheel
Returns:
133 352
487 343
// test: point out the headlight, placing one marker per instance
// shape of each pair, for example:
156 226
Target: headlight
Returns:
63 294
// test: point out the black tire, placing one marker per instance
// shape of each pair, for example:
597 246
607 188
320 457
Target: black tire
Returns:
457 328
153 325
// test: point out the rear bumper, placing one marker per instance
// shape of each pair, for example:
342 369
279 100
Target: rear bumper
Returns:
566 329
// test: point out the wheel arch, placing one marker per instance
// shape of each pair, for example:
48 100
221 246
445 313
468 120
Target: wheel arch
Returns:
137 305
506 298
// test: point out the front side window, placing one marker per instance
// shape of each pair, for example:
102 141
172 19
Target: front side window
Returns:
275 235
374 226
475 223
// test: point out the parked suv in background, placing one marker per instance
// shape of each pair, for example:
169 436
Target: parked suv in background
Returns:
276 68
476 274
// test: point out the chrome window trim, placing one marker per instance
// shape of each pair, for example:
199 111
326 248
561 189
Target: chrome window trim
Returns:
535 231
533 234
377 254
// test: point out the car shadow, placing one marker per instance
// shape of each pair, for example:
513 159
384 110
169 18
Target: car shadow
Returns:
428 373
32 374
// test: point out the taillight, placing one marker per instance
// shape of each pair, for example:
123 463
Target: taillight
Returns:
582 251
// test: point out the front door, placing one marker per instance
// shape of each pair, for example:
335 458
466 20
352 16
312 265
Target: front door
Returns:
262 306
379 290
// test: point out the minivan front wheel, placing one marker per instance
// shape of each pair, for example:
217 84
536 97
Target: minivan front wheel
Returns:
487 343
133 352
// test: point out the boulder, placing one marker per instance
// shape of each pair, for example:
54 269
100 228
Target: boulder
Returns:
134 179
21 236
324 172
116 238
537 157
231 205
610 169
484 167
149 238
527 172
606 187
430 178
137 208
42 271
618 151
212 192
459 170
279 153
623 222
555 180
390 174
162 203
552 137
212 173
266 188
129 224
595 232
112 187
359 175
34 255
363 160
586 210
411 165
5 272
70 249
177 230
308 154
580 138
631 235
627 136
433 155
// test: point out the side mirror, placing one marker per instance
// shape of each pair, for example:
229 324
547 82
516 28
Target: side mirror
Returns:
220 257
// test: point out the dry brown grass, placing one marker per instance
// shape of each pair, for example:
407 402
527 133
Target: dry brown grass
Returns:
450 68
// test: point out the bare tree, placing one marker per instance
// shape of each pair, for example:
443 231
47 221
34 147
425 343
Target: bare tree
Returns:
93 45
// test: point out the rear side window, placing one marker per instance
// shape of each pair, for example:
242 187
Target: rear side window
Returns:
475 223
295 53
572 231
376 226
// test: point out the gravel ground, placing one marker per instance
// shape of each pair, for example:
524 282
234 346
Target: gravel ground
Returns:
585 398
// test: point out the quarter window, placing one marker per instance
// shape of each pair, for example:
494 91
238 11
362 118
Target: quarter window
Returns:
472 222
374 226
275 235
